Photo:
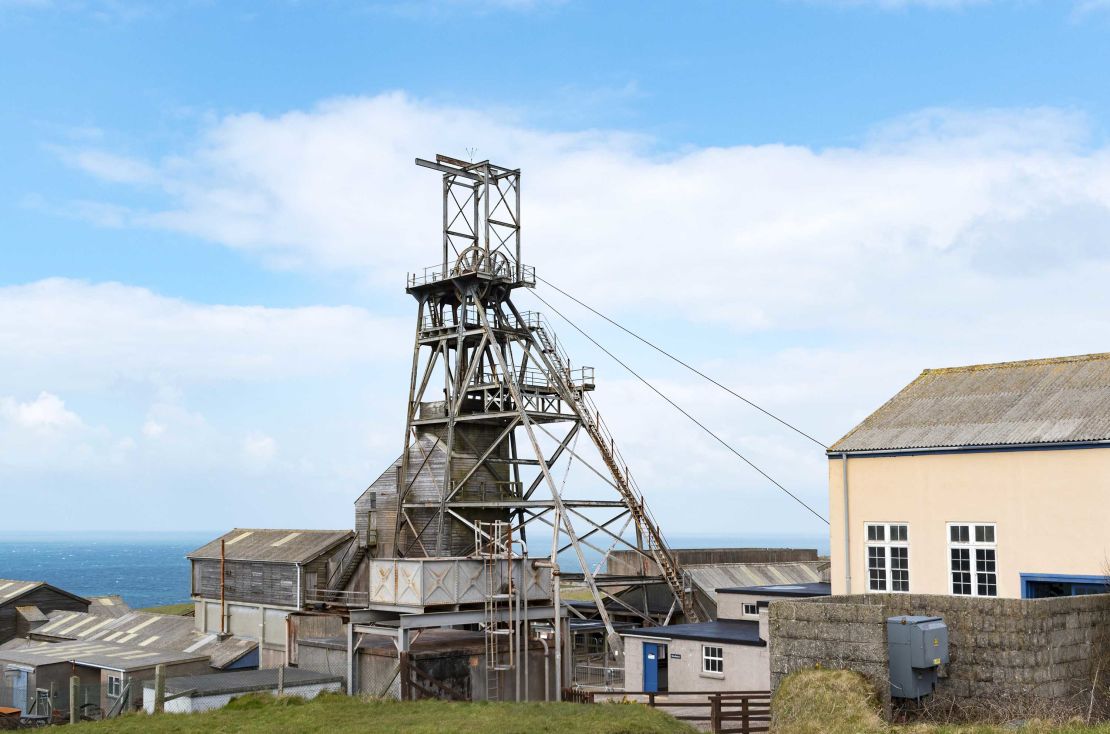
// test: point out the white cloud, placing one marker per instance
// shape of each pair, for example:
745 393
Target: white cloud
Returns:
815 281
47 412
259 450
74 334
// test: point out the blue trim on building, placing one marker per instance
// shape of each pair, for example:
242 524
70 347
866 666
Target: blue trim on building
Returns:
1076 580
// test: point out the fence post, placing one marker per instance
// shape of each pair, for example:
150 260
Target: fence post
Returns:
715 713
159 688
74 707
651 700
745 714
281 681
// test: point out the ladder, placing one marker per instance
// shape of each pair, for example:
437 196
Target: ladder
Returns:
501 602
626 485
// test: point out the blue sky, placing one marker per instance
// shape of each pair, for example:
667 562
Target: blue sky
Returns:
208 210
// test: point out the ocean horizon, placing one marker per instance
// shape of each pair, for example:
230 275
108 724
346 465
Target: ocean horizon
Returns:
149 568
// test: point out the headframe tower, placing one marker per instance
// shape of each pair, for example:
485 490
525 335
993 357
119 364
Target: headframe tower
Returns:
494 406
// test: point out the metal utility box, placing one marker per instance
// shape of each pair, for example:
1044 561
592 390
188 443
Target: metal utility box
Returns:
918 646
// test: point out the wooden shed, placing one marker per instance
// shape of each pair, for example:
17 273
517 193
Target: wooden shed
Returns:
37 594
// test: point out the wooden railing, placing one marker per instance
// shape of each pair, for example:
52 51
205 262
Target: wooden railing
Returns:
726 712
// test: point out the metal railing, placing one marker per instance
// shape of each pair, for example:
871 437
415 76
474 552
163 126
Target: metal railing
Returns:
350 599
491 268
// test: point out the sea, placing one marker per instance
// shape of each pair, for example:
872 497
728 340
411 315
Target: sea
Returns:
150 569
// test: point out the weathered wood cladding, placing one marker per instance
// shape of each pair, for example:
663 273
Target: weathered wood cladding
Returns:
256 582
43 597
427 464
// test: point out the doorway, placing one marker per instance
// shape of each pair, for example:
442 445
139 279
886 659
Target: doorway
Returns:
655 667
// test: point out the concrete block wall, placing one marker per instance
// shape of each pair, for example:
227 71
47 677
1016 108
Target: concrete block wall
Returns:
1012 656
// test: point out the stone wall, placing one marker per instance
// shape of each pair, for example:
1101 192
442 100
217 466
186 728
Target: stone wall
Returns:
1008 657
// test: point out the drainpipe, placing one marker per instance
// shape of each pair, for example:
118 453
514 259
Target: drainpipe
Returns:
557 622
546 668
847 529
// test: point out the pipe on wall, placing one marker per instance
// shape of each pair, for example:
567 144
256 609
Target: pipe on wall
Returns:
847 529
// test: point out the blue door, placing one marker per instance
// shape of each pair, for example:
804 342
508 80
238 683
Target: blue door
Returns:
651 666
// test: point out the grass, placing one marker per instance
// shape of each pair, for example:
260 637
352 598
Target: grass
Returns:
843 702
179 610
337 714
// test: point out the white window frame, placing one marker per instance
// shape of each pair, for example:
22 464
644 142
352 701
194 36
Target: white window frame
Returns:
973 546
713 664
749 609
118 685
886 544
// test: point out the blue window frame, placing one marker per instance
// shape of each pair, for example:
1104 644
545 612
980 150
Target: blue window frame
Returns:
1042 585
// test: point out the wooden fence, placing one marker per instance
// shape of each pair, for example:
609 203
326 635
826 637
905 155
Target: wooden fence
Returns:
727 712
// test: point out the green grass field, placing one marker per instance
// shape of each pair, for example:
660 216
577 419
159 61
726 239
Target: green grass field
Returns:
336 714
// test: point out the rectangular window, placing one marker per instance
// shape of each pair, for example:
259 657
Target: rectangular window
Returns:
712 659
750 610
115 685
973 559
888 557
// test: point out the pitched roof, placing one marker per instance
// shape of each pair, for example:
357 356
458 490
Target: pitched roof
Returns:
11 589
722 630
145 629
95 655
108 605
278 546
1039 401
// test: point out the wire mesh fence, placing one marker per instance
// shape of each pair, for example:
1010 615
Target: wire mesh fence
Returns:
37 706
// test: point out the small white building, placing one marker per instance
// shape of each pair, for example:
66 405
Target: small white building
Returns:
729 654
195 693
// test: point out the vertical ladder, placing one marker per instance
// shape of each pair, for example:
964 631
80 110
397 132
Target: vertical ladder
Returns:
496 549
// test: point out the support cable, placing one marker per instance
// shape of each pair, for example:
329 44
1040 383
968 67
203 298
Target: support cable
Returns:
680 409
687 365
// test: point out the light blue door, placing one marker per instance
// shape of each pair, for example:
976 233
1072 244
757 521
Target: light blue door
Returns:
16 680
651 666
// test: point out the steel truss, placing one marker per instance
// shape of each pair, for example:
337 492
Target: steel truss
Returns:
495 387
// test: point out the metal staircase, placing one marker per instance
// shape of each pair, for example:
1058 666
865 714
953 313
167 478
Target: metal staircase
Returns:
606 445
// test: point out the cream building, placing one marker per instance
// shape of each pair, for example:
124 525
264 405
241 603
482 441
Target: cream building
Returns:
988 480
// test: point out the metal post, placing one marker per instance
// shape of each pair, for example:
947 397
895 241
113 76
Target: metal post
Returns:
74 707
350 658
223 602
159 689
281 681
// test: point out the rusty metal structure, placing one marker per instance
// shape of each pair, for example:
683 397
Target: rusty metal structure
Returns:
495 405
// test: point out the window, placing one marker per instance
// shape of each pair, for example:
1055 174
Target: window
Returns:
888 557
115 685
712 659
972 554
750 610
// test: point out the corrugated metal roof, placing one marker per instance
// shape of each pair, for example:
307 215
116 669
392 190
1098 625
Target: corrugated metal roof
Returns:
279 546
145 629
12 589
95 654
1040 401
243 681
710 578
108 605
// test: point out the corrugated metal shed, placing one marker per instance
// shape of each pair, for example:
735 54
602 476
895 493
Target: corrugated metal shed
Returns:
144 629
1041 401
244 681
276 546
12 589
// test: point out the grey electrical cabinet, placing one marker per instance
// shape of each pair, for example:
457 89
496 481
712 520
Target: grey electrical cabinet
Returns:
918 646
